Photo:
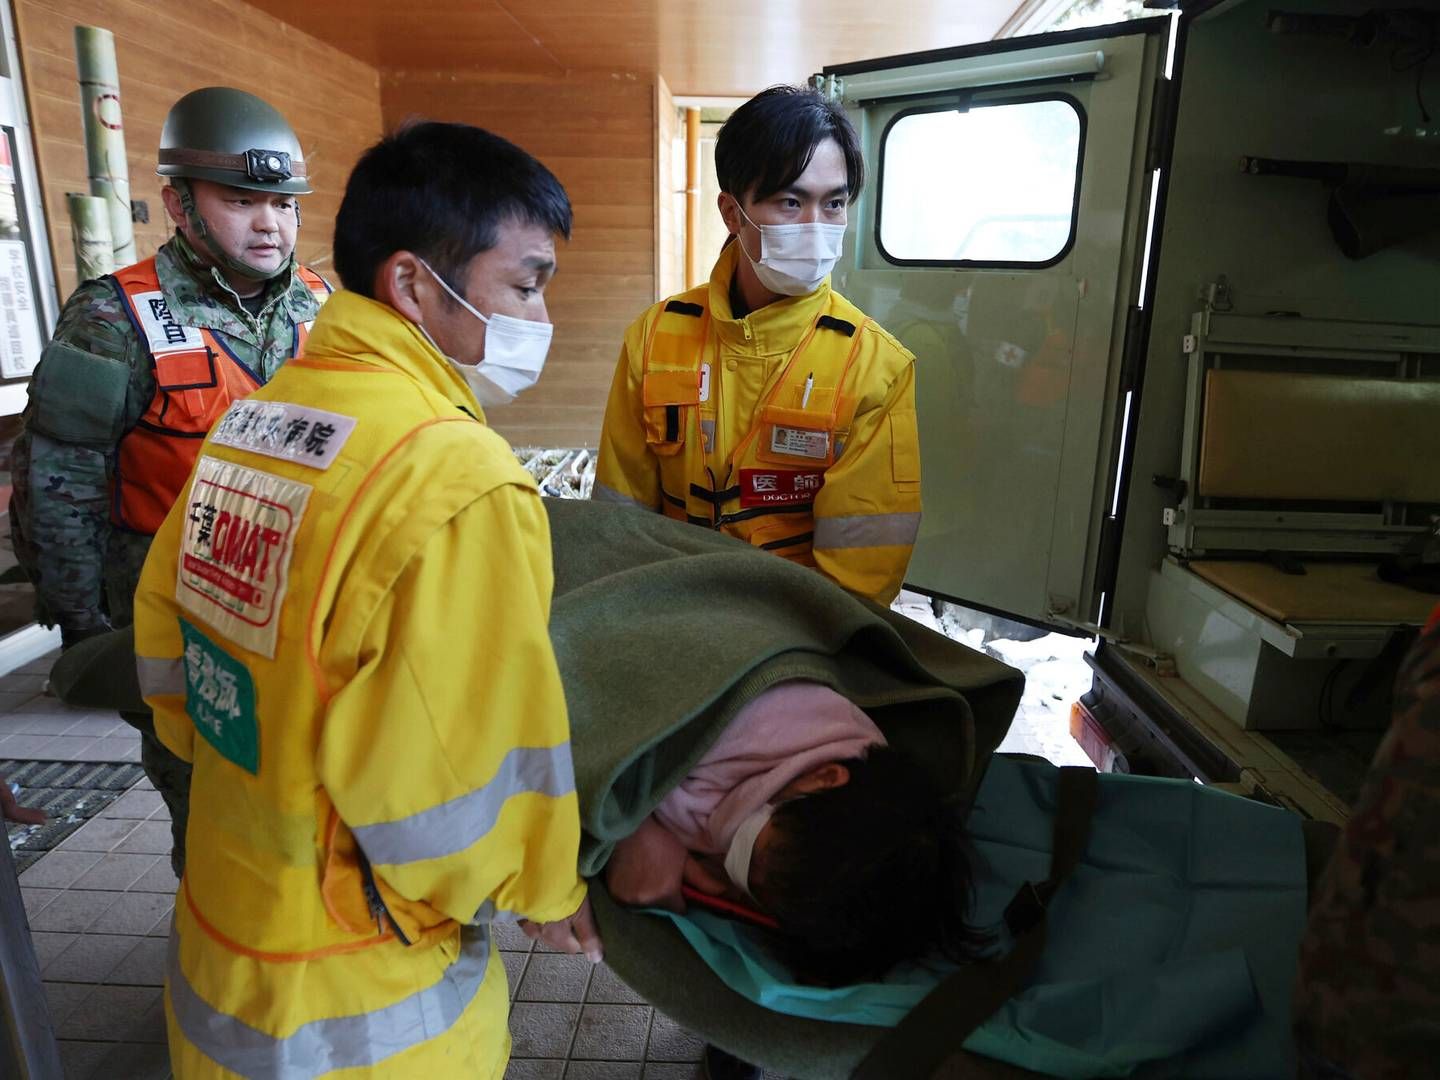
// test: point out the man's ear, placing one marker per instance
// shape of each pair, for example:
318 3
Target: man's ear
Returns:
729 212
832 774
399 282
171 198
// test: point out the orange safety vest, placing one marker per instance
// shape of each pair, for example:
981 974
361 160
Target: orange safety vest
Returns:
196 379
774 472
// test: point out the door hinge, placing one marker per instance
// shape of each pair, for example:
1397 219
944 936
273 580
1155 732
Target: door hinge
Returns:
831 87
1162 663
1162 124
1135 324
1089 629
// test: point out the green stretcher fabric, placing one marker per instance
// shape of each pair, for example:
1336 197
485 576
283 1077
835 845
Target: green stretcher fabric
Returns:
1170 952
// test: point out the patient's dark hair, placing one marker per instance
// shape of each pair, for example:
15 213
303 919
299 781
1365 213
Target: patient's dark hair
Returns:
869 874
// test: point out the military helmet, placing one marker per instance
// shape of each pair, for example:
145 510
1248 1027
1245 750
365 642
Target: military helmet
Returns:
231 137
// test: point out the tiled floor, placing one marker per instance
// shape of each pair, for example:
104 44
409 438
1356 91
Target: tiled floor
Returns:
99 909
39 727
100 904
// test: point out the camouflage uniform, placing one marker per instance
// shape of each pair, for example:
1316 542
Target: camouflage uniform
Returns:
1367 1004
84 569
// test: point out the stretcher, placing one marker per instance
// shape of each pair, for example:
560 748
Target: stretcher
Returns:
1170 948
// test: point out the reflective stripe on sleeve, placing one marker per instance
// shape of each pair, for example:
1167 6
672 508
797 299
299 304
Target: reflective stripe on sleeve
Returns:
453 826
489 913
601 493
867 530
337 1042
160 676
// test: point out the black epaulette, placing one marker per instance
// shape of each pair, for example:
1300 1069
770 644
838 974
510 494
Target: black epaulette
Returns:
680 307
829 322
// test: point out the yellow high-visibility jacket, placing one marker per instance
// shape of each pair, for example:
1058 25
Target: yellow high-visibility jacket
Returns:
342 623
792 428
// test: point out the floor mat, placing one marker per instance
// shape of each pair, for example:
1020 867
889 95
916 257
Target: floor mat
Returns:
70 793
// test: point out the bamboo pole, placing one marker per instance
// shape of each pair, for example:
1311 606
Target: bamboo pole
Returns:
692 198
90 224
105 135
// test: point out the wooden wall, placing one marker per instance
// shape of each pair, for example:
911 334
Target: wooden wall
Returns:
166 50
669 193
598 135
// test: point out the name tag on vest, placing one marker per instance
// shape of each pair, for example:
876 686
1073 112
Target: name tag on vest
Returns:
235 550
162 332
278 429
800 442
763 487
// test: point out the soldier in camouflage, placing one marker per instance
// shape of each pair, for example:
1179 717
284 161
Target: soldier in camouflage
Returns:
232 287
1367 1003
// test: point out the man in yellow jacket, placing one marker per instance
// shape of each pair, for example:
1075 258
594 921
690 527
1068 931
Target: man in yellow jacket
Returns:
342 623
764 404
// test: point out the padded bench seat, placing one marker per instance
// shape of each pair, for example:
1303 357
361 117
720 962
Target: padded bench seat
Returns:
1328 592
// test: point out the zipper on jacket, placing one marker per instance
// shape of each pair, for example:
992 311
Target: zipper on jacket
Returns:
377 902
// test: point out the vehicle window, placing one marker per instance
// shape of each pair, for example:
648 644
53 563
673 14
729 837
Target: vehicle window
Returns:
991 185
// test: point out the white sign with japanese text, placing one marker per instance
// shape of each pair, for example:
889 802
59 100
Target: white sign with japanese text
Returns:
235 551
20 342
162 332
281 430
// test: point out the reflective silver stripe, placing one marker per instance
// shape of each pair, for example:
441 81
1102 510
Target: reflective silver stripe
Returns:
867 530
601 493
338 1042
160 676
455 825
489 913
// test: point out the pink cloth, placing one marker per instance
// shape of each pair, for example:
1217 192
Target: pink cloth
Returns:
785 732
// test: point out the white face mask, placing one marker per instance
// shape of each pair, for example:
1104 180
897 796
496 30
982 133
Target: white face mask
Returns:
515 351
742 848
795 259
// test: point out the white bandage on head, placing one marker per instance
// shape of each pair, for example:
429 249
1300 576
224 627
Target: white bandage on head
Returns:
742 848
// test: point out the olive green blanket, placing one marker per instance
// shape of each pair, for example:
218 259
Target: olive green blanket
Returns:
663 632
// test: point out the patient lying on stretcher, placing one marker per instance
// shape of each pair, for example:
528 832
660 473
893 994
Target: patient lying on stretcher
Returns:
802 812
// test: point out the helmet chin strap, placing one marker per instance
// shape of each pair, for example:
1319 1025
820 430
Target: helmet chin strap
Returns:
212 249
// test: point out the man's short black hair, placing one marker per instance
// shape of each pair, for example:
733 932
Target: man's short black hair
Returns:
870 874
769 141
441 191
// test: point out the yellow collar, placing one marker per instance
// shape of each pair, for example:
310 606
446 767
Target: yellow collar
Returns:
353 327
773 329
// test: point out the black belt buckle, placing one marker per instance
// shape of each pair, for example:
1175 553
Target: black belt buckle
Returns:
1027 907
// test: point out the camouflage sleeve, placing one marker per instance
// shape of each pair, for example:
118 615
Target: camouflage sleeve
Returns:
1368 992
62 498
66 526
94 319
